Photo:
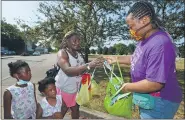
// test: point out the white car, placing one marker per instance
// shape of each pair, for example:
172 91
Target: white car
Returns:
36 53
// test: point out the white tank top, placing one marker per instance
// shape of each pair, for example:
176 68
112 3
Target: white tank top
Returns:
66 83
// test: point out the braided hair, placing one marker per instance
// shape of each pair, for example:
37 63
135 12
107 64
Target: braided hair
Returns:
141 9
14 67
67 36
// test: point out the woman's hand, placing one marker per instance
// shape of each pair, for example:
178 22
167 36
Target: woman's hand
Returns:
111 59
98 62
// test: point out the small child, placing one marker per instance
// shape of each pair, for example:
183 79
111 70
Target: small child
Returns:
51 104
19 99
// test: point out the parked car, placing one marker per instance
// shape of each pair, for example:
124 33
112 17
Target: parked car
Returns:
36 53
25 54
4 52
11 53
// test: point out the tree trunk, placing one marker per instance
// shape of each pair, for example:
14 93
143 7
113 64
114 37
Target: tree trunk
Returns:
86 54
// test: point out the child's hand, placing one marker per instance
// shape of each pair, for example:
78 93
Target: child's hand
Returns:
57 115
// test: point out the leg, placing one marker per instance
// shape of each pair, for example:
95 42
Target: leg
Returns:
64 108
75 111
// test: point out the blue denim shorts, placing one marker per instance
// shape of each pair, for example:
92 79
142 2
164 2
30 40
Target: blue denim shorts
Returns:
164 109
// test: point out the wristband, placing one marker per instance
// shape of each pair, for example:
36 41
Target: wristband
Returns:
87 65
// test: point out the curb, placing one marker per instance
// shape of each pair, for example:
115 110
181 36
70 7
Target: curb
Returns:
6 57
93 114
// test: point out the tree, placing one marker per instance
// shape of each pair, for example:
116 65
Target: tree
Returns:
131 48
101 21
100 50
111 51
171 13
11 37
181 50
105 51
121 49
32 34
93 51
94 20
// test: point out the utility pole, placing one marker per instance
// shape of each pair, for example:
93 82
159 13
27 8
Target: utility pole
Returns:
25 47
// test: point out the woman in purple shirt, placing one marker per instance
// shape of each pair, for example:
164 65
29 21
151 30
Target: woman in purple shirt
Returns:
153 69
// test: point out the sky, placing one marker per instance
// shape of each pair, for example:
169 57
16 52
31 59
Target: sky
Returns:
24 10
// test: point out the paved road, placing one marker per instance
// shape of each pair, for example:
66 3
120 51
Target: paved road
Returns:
38 64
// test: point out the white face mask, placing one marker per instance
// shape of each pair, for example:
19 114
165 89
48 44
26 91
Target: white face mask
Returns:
22 82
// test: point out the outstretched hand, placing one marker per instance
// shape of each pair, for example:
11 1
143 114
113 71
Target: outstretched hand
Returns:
98 62
111 59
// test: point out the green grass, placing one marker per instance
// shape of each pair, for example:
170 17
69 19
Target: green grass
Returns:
97 102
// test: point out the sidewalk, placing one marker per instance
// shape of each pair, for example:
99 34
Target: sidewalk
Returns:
6 56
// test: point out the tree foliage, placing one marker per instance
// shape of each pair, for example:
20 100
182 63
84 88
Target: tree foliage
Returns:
11 37
94 20
100 21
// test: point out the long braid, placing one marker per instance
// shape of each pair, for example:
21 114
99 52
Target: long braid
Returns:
141 9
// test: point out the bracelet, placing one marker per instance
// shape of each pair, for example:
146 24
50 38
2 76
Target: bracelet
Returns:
87 65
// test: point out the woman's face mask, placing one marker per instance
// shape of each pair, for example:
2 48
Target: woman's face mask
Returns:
134 35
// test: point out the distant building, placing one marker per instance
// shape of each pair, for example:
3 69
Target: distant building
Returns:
29 46
42 50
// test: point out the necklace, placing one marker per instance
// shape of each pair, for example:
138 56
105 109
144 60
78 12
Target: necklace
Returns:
73 54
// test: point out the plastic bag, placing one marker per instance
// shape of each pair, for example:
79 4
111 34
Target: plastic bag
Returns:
84 93
94 88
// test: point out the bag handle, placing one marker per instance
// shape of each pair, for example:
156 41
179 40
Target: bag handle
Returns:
112 74
119 67
92 76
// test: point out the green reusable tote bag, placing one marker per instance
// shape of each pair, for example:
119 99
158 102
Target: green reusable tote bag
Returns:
116 103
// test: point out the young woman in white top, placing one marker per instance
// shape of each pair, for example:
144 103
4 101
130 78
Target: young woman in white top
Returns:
72 67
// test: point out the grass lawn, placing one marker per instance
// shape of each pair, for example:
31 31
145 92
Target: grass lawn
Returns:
97 102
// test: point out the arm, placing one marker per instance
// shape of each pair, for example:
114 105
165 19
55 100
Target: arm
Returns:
143 86
7 98
124 59
121 59
39 113
73 71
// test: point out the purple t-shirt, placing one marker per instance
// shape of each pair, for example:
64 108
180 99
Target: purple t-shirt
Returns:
154 60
